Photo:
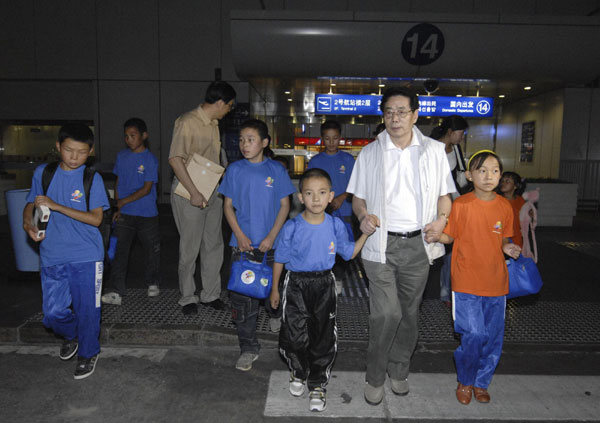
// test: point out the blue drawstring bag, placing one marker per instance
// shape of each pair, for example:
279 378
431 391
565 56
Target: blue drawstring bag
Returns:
523 277
250 278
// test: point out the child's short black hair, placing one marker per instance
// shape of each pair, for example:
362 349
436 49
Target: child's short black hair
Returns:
519 183
259 126
136 123
76 131
315 172
401 91
331 124
219 90
477 159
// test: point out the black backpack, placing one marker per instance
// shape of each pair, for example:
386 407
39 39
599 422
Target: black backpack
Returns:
88 178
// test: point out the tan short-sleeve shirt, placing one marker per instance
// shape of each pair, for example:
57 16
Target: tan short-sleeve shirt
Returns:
195 132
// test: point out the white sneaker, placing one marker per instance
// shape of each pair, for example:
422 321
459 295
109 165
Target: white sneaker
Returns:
317 401
274 324
153 291
111 298
339 286
296 386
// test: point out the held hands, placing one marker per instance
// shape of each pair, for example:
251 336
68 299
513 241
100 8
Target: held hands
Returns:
369 224
433 231
198 200
512 250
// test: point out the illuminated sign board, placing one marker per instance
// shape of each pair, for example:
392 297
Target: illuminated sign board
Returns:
344 104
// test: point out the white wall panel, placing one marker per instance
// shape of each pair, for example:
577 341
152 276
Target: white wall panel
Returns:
65 39
128 39
17 39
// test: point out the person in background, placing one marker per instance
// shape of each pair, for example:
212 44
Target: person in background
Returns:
135 192
256 192
338 164
451 132
512 188
480 225
72 251
198 219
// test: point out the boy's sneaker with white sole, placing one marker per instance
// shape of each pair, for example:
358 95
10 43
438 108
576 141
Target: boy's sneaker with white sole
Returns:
68 349
85 367
297 386
153 291
317 401
111 298
244 363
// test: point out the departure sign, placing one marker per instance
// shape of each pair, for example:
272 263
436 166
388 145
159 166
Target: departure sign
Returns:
345 104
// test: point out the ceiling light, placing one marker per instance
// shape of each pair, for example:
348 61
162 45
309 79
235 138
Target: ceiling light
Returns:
527 88
289 99
332 84
501 96
459 95
287 92
381 85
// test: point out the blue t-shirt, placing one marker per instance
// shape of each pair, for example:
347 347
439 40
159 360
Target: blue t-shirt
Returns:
304 247
256 190
69 240
133 170
339 167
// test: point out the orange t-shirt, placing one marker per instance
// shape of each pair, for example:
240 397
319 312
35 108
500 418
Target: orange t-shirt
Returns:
478 227
516 204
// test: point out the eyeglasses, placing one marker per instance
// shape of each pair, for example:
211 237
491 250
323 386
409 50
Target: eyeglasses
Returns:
389 113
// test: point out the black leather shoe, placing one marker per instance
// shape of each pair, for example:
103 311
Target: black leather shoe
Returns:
189 309
216 305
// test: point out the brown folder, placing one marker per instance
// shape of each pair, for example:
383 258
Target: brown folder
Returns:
205 176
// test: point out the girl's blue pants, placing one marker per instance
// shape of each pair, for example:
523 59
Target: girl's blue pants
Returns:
480 322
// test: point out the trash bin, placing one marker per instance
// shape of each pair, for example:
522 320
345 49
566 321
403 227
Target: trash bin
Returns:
27 255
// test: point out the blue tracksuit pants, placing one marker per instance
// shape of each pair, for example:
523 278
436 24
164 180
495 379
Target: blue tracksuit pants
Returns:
79 285
480 321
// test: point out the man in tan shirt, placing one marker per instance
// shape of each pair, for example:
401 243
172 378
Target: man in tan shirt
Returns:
198 219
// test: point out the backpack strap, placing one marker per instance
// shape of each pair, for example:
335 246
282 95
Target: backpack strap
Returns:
47 176
88 178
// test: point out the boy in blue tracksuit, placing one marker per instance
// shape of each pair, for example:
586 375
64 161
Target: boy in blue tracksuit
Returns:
338 164
256 206
137 175
307 246
71 252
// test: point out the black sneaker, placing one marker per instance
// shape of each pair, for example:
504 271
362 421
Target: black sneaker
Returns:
189 309
68 349
216 305
85 367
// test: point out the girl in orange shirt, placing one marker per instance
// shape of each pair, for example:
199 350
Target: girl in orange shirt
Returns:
511 187
479 224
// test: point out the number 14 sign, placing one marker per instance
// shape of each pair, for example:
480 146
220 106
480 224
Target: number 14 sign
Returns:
423 44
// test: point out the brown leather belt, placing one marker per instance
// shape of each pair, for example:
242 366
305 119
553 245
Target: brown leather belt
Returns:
405 235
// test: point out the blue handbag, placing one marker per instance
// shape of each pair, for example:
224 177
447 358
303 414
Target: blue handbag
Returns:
523 277
250 278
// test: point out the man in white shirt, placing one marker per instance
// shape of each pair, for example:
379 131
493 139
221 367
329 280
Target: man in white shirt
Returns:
403 178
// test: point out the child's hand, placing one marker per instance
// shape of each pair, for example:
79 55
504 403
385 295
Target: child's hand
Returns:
32 232
274 299
369 223
512 250
336 203
244 243
266 244
42 200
